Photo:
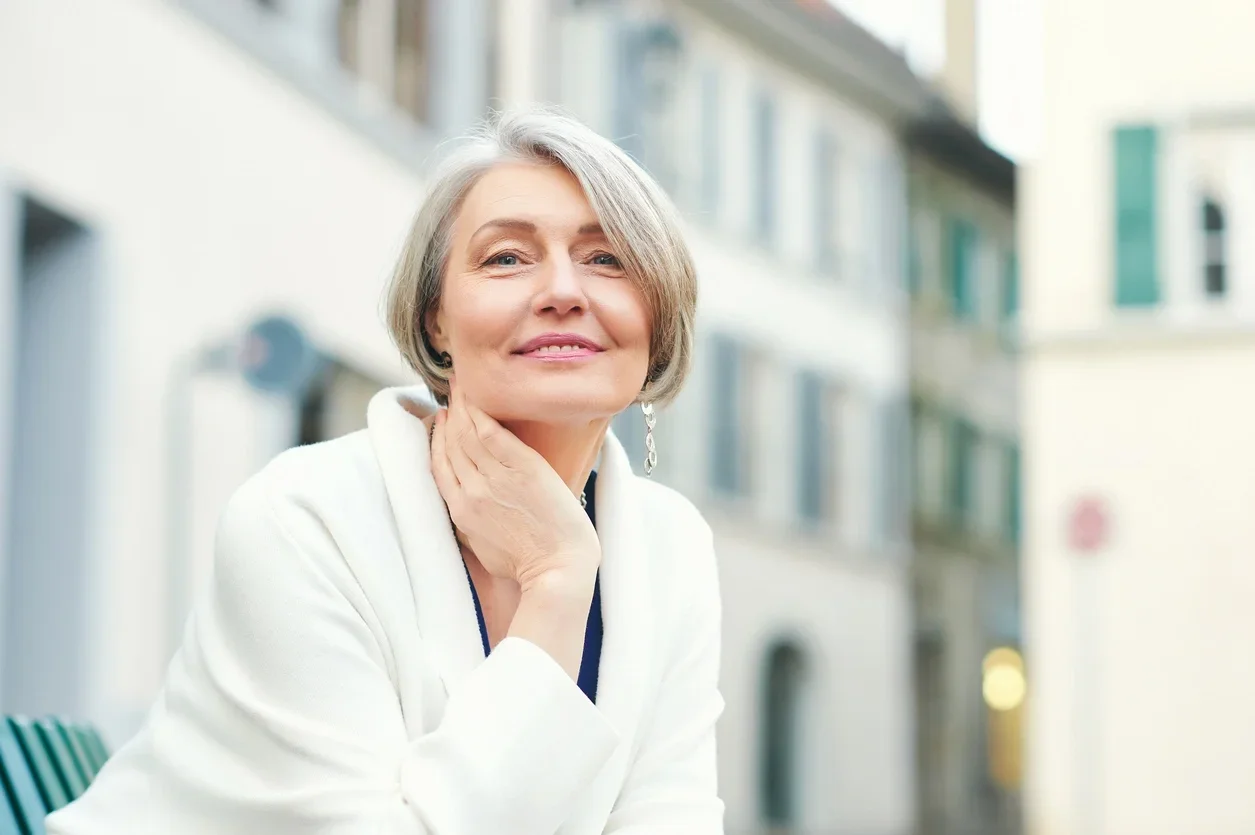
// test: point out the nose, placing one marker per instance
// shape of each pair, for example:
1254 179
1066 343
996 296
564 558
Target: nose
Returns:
561 289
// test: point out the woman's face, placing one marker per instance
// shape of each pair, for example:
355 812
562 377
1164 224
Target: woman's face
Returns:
539 317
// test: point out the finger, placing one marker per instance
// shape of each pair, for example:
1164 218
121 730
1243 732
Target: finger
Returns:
470 418
502 445
446 480
457 427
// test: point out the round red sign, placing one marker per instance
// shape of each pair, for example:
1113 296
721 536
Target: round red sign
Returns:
1088 525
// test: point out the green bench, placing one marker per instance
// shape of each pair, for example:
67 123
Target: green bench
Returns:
44 764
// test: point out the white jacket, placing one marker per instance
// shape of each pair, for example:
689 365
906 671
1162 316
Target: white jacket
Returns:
332 678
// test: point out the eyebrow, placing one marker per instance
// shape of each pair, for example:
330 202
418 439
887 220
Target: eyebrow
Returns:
511 224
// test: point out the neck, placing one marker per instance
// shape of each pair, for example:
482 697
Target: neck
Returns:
570 449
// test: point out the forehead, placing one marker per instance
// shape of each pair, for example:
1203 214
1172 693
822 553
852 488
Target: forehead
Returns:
543 194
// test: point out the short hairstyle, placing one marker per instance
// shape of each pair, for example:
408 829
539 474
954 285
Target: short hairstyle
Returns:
639 220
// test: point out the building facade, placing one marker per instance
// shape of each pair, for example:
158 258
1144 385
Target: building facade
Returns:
775 126
172 169
1138 326
965 428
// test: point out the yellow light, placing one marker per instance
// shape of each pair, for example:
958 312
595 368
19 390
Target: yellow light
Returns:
1004 685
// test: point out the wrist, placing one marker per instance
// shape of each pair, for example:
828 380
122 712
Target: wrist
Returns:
573 581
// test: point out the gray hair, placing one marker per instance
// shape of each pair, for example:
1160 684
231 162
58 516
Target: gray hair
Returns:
638 217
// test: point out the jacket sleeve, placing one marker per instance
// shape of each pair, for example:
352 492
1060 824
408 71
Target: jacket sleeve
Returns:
672 784
281 715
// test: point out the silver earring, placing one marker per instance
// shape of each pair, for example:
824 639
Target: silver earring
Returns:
651 451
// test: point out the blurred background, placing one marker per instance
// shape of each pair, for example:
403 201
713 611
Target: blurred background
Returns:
972 411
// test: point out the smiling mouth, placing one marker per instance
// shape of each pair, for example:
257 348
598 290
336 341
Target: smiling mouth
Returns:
559 352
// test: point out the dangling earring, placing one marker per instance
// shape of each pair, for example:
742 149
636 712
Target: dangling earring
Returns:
444 360
651 451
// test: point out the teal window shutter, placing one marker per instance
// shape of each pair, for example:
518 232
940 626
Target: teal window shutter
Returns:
1013 494
1011 286
961 268
710 168
727 451
826 243
813 447
1136 256
765 170
914 262
962 472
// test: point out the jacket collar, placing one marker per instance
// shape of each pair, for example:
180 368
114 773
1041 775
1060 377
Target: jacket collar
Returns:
442 596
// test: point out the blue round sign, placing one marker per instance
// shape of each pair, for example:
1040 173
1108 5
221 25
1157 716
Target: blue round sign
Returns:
277 357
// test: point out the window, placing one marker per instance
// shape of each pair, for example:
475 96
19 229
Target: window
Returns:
915 263
962 268
1214 246
826 237
782 734
873 216
962 486
896 445
389 53
891 208
350 35
709 190
929 463
1010 285
730 406
1136 256
648 56
411 72
1013 492
334 404
764 173
816 447
917 450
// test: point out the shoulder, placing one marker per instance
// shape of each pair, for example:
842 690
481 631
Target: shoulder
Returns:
307 499
680 539
669 509
316 475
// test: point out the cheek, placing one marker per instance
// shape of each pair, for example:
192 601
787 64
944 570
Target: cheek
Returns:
625 316
478 321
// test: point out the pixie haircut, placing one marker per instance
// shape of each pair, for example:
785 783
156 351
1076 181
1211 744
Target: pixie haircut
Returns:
638 218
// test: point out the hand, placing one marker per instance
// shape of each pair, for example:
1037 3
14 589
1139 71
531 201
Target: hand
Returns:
507 504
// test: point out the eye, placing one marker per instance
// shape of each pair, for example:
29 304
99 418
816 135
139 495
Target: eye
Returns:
503 259
605 259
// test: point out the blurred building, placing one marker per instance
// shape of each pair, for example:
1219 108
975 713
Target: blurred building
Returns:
776 126
1139 349
964 281
170 170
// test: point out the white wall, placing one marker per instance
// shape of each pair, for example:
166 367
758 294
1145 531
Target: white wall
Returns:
1140 702
853 626
216 193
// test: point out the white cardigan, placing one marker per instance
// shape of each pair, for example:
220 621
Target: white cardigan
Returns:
332 678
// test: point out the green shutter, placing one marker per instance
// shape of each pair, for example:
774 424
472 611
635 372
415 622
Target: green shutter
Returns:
914 266
1137 268
1013 494
961 268
1011 286
962 472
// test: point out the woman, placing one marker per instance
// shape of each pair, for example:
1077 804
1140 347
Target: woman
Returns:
418 628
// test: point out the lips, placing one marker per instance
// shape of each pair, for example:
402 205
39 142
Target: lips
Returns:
559 344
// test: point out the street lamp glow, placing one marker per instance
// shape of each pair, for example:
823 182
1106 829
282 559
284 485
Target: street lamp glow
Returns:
1004 685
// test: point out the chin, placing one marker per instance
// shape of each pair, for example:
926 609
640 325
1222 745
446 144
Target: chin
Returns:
557 401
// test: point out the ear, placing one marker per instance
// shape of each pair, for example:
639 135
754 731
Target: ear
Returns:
433 327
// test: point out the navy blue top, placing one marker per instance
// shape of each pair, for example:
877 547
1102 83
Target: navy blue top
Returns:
592 632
